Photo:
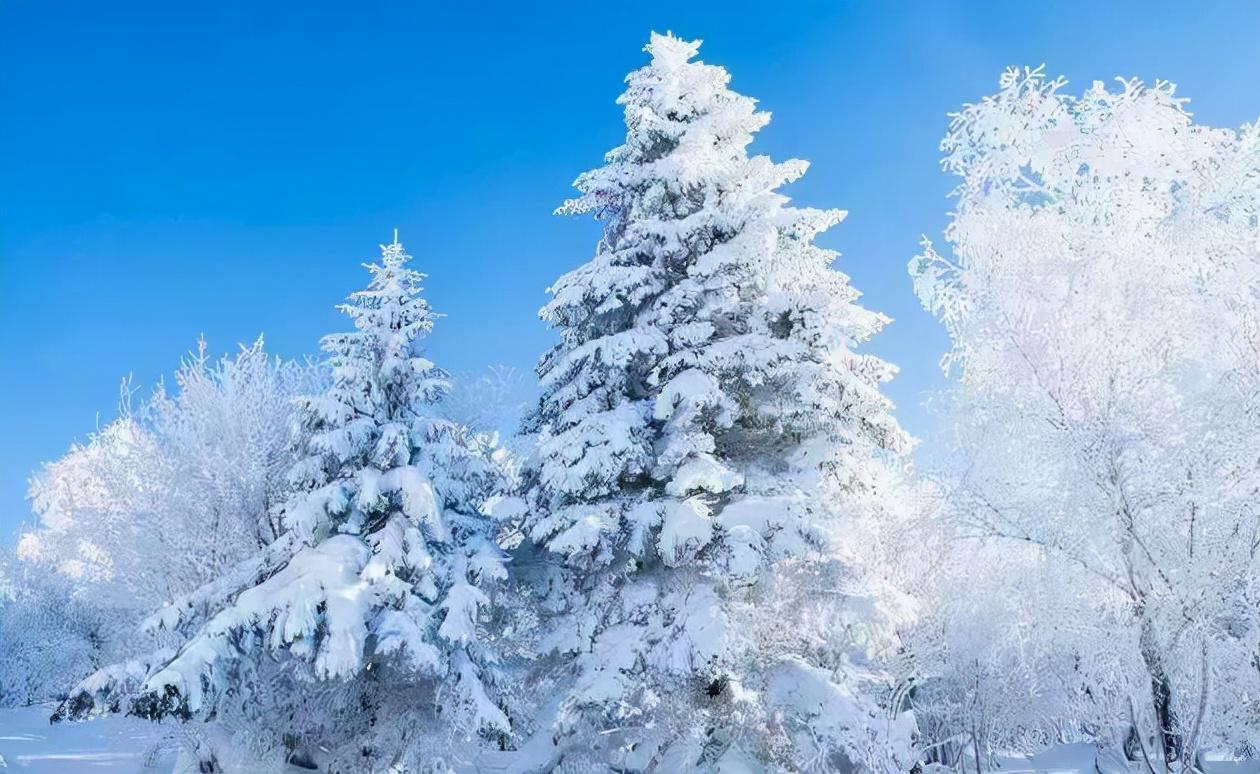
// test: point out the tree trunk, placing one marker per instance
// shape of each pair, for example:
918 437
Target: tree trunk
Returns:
1166 733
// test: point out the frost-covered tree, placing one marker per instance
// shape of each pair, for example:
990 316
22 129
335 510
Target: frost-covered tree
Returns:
151 506
490 402
359 630
176 490
1004 654
49 635
1103 298
707 433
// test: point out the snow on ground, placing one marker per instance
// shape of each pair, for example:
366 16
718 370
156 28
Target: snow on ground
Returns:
1063 759
1084 758
29 744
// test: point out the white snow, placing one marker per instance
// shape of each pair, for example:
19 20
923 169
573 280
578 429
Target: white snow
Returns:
29 744
686 530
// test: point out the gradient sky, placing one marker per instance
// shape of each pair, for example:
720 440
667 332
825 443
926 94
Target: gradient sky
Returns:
169 170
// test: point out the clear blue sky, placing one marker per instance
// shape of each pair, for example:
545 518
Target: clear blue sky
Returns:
169 169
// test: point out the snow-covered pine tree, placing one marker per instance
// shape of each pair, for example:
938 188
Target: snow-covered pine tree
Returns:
706 427
383 572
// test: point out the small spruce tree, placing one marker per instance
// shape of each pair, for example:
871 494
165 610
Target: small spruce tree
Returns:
385 568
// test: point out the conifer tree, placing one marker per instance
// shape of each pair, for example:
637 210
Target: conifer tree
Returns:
386 563
706 428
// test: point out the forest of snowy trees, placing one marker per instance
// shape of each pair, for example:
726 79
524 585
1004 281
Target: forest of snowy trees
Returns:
705 546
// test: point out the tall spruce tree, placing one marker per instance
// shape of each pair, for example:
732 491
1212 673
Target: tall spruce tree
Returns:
706 428
383 573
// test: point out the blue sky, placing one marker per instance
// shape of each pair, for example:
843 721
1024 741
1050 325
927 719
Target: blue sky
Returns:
172 169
